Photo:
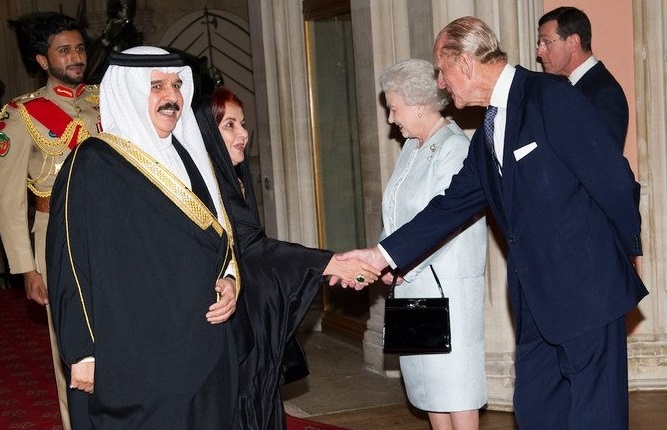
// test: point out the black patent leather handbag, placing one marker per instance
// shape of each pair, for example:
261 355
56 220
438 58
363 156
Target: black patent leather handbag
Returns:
416 325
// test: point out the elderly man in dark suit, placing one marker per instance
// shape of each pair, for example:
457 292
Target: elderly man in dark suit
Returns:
564 48
563 199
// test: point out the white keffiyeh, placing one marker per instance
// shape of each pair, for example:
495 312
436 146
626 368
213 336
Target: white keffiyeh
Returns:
124 93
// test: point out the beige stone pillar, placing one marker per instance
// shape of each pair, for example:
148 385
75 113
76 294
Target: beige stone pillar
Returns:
381 38
647 346
284 124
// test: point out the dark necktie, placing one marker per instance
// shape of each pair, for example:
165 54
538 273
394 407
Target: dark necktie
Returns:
491 112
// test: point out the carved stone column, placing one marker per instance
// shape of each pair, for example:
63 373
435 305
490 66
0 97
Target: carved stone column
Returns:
647 347
381 37
284 137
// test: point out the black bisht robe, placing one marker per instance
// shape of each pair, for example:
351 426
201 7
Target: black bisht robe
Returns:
140 278
280 281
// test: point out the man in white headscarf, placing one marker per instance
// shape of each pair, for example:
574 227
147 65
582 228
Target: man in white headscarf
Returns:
138 248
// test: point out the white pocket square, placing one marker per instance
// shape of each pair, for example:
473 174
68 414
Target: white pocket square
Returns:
524 150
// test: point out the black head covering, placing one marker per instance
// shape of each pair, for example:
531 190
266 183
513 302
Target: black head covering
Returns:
281 280
243 207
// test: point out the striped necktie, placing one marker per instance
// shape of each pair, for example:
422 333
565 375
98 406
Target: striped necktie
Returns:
491 112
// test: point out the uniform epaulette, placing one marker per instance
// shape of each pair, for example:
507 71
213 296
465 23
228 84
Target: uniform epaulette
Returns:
26 98
15 102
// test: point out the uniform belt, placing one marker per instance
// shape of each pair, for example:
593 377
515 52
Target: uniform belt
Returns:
42 204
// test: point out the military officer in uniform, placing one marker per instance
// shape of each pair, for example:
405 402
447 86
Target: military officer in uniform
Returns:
37 132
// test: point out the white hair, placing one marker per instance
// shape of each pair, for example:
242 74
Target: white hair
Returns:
415 81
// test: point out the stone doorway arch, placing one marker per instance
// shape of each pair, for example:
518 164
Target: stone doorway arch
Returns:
223 40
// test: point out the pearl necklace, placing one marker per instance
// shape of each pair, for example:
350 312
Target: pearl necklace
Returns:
431 132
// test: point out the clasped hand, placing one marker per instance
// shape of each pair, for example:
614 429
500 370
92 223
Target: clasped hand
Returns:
225 306
83 372
357 268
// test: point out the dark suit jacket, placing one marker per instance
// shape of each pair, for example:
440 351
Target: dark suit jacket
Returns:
606 94
566 210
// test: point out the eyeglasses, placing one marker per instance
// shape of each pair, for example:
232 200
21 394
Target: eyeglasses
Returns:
545 43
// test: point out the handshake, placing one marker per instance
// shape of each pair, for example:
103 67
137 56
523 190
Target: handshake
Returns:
357 268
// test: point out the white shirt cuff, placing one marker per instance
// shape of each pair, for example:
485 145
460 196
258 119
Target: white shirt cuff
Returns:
387 256
231 270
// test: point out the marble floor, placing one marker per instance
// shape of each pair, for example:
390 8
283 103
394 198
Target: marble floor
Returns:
342 392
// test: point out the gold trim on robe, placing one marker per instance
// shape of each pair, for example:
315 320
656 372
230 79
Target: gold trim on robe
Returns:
178 193
170 186
69 247
166 181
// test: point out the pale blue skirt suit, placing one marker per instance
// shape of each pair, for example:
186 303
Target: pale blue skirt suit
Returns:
455 381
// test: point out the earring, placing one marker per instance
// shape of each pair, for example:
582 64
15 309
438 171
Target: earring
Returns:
419 115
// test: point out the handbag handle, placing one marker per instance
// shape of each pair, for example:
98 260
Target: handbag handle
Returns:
437 281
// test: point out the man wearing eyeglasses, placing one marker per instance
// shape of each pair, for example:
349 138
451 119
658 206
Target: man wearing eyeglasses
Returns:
564 48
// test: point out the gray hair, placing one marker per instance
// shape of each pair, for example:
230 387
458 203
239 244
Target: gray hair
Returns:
473 36
416 82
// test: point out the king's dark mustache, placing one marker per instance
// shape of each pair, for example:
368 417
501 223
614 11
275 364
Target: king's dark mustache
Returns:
169 106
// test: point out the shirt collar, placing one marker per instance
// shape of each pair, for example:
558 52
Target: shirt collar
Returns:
582 69
66 92
501 90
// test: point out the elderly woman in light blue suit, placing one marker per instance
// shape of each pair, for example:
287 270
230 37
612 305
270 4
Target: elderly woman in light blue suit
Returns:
450 387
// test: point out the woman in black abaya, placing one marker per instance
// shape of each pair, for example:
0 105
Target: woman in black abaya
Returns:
279 279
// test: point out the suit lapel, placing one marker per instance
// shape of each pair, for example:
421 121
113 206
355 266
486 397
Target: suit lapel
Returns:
513 124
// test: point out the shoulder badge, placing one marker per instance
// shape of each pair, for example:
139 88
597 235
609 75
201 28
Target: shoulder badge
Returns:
15 103
4 144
